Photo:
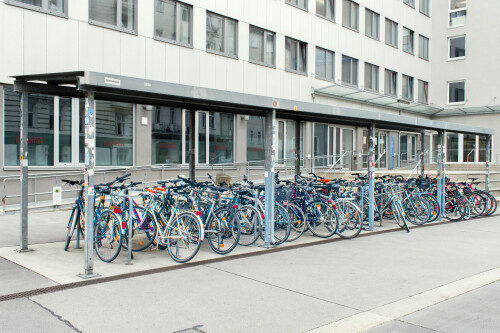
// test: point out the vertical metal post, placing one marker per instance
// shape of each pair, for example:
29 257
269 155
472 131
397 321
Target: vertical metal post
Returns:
89 185
422 151
371 180
23 164
130 226
269 178
297 147
439 176
488 159
192 146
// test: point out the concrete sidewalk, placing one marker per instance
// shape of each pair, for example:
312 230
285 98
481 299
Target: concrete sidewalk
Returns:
396 281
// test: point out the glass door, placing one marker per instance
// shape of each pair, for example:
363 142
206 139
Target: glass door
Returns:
381 150
201 138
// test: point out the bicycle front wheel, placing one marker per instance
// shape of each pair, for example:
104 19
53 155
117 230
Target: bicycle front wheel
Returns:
350 219
250 224
184 236
223 231
322 219
143 229
107 236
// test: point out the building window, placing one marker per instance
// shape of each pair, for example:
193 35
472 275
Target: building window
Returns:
255 147
457 47
295 55
408 40
482 140
173 22
56 7
423 47
166 136
469 148
262 46
349 70
458 13
456 92
222 34
424 7
326 9
391 83
410 3
407 87
423 92
298 3
350 14
407 147
372 24
116 14
371 77
325 64
391 33
452 147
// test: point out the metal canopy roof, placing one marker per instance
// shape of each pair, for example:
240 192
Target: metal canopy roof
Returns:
149 92
376 99
468 111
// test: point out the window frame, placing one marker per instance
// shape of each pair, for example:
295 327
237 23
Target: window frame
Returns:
419 48
407 2
426 84
448 93
289 2
316 64
265 33
351 5
452 11
378 78
118 18
449 48
357 71
296 71
330 7
428 13
411 87
373 14
385 81
225 53
178 5
411 39
393 23
43 9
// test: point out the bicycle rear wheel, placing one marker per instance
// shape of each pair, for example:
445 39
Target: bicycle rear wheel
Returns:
322 219
297 222
107 236
184 236
350 219
143 229
250 224
223 231
417 210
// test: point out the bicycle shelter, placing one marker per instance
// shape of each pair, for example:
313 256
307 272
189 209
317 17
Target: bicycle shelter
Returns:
101 86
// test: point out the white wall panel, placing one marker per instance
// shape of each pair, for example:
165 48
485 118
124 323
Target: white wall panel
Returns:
251 13
35 42
221 7
220 69
235 8
261 79
273 83
111 51
208 70
189 66
78 10
280 51
285 85
62 44
235 75
145 18
250 78
90 47
133 56
172 63
199 28
263 13
12 55
273 15
243 40
155 60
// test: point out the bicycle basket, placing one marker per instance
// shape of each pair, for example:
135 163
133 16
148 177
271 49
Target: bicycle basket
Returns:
283 194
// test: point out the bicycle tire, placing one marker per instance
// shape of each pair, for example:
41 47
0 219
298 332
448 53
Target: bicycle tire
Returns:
297 222
477 202
184 234
107 236
417 210
71 227
143 231
250 220
281 226
455 208
350 219
322 219
435 210
492 203
223 228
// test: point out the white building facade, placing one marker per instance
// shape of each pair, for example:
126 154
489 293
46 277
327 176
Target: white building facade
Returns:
295 49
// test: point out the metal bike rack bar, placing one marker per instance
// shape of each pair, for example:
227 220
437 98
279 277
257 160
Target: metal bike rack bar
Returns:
23 163
487 163
371 180
269 177
440 177
192 146
297 147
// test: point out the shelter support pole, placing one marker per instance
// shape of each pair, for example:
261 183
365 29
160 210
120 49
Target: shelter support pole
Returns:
297 147
192 146
23 164
89 193
422 151
440 171
371 180
487 164
269 177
